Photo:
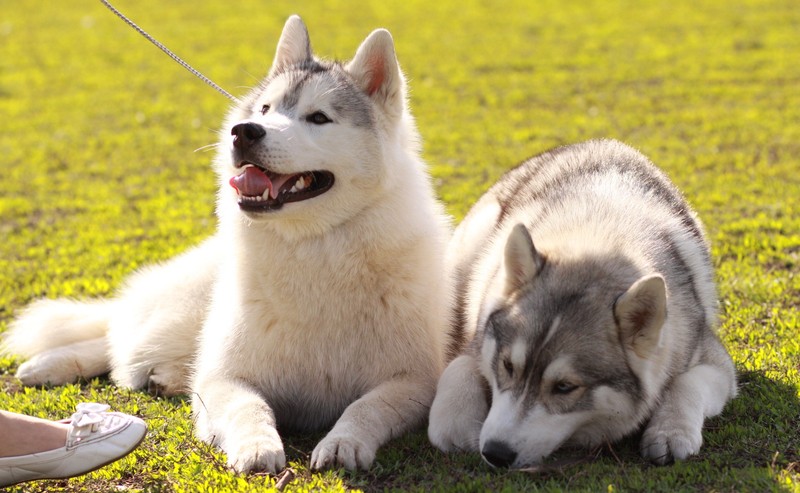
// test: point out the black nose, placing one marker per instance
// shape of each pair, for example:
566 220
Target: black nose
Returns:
498 454
247 134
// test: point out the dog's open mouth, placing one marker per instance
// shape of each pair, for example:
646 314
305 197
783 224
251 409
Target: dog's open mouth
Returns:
261 190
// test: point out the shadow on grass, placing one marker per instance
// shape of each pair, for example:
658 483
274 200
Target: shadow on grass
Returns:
762 425
753 446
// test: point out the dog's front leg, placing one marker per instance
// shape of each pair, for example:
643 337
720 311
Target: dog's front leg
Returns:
386 412
460 406
234 416
675 429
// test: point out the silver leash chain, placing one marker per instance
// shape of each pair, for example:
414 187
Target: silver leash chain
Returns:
171 54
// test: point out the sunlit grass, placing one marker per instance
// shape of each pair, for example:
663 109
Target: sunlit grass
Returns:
100 175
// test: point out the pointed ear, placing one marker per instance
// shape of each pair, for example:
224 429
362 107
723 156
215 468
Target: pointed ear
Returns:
522 261
377 73
640 313
294 46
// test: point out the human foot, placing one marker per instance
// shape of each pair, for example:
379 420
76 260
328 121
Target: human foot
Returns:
94 438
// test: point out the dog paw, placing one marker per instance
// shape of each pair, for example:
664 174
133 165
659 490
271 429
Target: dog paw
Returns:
664 444
257 454
455 424
45 368
449 434
459 407
343 450
168 380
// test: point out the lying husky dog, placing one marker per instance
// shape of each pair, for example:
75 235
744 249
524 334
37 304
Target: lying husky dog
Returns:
320 300
587 282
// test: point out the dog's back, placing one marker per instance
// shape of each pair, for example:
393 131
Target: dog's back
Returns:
593 197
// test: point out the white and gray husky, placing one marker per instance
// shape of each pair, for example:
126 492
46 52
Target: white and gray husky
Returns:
320 300
585 283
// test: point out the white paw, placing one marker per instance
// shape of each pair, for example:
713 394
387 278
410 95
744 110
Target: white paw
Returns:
343 450
169 380
456 419
263 453
668 441
450 433
48 368
459 408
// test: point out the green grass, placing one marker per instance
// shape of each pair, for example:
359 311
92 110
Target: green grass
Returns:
98 133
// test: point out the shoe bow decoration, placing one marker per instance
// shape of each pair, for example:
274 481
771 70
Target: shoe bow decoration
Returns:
86 420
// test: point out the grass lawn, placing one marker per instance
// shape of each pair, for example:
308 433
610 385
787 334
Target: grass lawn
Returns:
103 171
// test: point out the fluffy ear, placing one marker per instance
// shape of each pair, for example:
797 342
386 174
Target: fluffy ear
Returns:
522 261
376 71
640 314
294 46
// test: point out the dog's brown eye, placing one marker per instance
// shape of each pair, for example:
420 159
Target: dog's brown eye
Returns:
264 109
564 388
318 118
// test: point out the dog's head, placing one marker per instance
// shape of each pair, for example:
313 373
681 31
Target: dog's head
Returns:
567 350
316 141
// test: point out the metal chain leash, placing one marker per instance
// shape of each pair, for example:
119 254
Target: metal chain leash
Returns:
170 53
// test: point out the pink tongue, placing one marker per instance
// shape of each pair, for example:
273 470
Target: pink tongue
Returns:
252 183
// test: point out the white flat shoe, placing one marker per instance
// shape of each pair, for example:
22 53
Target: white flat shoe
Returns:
96 438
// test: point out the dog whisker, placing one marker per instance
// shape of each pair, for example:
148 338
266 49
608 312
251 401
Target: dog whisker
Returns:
207 147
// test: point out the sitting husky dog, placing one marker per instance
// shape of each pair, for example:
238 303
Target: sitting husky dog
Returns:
586 282
320 301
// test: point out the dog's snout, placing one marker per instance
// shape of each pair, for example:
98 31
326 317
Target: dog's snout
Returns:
247 134
498 453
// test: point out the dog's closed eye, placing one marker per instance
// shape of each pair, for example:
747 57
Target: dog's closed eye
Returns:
564 387
509 367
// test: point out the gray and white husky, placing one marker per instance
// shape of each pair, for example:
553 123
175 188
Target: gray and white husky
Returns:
585 288
320 300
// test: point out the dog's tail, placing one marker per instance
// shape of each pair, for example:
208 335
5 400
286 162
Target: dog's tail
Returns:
51 324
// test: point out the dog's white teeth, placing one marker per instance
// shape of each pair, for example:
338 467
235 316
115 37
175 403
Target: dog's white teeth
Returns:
247 198
299 185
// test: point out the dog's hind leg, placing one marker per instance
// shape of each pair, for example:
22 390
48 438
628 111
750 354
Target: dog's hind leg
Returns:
66 364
